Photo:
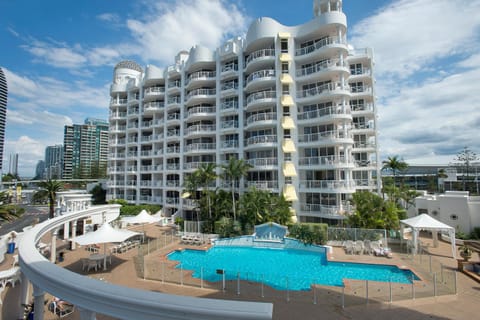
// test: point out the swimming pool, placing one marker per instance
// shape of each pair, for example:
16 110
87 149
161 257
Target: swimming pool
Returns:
282 268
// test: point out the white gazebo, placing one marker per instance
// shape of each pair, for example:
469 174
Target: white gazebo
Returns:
426 222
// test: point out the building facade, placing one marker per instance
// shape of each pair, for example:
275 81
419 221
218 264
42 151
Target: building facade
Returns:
13 164
85 149
54 162
3 113
297 103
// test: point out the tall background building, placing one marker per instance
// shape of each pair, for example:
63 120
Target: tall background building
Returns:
297 103
40 170
13 164
53 162
3 113
85 149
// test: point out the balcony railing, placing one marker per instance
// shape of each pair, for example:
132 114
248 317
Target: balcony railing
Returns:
260 54
201 75
266 116
200 128
260 74
261 140
327 87
201 92
318 67
261 95
263 185
229 124
225 105
263 162
325 160
333 134
230 144
200 146
200 110
329 111
318 45
327 184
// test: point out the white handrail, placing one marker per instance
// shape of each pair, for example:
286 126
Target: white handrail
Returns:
118 301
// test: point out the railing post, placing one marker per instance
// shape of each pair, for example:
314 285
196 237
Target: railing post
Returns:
163 272
390 285
181 275
238 283
455 281
288 293
430 262
413 289
201 277
435 284
314 293
366 291
263 295
343 297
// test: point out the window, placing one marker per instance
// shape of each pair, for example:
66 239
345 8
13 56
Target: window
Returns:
284 67
286 133
453 217
357 86
422 211
288 156
284 45
356 69
285 89
286 111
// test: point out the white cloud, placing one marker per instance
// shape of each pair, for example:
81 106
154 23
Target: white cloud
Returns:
407 35
174 26
30 152
427 70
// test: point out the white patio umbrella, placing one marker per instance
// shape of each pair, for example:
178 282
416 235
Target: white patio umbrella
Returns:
105 234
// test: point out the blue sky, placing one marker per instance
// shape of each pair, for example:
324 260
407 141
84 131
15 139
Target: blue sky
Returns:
58 57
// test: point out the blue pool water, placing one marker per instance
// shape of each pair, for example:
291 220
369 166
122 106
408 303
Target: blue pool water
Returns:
282 268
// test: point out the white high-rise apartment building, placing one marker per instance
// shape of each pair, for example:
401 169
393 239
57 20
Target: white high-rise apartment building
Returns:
297 103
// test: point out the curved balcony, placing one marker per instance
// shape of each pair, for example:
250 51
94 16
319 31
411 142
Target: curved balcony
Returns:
264 119
229 125
363 128
173 118
261 141
362 109
200 147
361 92
200 129
364 147
334 186
153 92
229 88
201 78
328 46
173 150
230 144
326 68
118 115
174 86
173 102
229 106
260 78
133 112
173 134
328 114
200 112
261 99
229 70
260 58
263 163
324 162
326 90
269 185
326 137
118 102
119 128
195 165
201 95
152 107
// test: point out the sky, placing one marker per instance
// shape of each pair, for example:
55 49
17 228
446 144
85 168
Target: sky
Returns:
58 57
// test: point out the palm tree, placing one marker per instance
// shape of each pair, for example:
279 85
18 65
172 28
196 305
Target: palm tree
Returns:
234 171
206 175
50 189
395 165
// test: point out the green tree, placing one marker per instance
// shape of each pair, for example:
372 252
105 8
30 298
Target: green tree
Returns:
99 195
206 175
372 212
234 171
50 189
395 165
464 159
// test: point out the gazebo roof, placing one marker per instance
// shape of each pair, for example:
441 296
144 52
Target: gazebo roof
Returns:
270 230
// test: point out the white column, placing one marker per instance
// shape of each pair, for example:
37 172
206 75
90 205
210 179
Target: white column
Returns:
53 246
66 230
38 300
87 314
24 294
74 233
328 6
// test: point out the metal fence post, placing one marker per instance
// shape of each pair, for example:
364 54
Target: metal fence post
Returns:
366 291
343 297
288 293
455 281
430 262
413 289
238 283
314 293
435 284
263 295
390 285
201 277
163 272
181 275
144 268
441 273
